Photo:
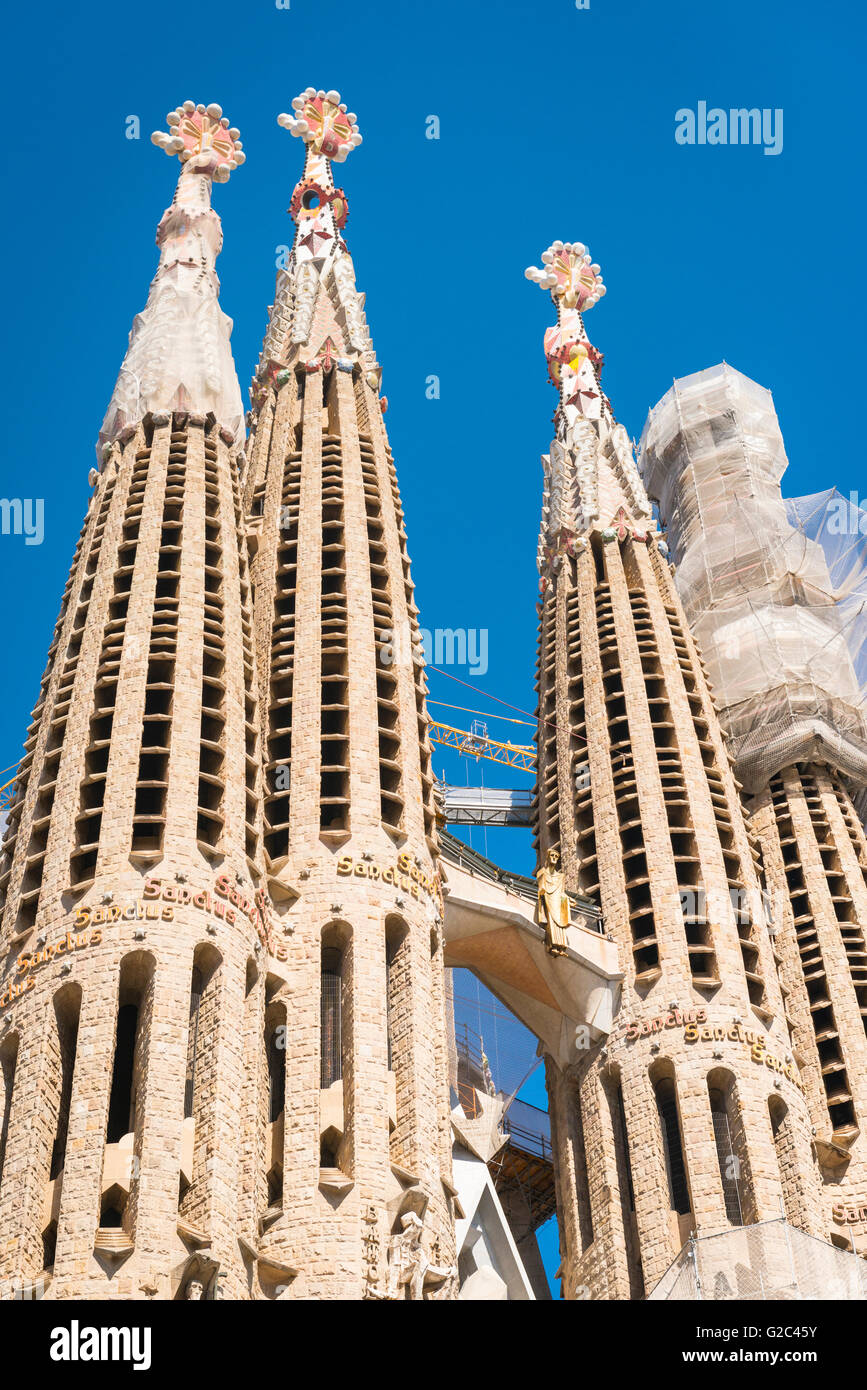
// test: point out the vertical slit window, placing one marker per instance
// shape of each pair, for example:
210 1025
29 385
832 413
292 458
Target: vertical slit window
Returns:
67 1010
121 1108
727 1159
275 1063
276 1073
201 1084
278 768
8 1063
128 1091
193 1040
334 659
331 1053
675 1166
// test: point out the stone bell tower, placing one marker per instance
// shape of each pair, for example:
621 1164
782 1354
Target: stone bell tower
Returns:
692 1114
134 921
767 604
362 1163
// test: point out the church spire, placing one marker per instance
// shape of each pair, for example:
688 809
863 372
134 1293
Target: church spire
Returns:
591 480
179 355
319 255
349 820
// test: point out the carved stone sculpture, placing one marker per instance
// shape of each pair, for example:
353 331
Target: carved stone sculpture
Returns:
409 1267
553 904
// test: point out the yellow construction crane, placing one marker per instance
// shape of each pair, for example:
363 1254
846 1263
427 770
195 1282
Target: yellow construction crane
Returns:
476 744
473 743
7 788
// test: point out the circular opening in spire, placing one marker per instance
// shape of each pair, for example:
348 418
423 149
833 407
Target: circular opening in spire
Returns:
311 199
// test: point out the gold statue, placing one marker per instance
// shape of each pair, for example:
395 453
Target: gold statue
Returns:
553 909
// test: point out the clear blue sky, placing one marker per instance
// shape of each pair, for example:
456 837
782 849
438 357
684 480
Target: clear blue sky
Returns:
555 123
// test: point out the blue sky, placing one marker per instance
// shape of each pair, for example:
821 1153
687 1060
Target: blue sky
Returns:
554 123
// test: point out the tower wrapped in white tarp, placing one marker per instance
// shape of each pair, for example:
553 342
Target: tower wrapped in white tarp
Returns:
775 591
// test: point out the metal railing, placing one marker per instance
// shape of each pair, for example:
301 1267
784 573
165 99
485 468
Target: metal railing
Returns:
529 1129
456 852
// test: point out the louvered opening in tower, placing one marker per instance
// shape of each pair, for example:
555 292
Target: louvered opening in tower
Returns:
547 791
716 784
853 825
851 930
687 862
585 821
149 811
251 732
419 677
536 811
31 883
91 795
642 922
210 815
701 723
278 766
838 1094
16 808
386 649
334 660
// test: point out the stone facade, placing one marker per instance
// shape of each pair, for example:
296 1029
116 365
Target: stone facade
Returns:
692 1115
223 1008
133 861
222 1005
699 1067
766 601
349 830
815 858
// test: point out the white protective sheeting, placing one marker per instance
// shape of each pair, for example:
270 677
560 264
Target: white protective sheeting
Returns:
839 525
775 596
179 355
770 1261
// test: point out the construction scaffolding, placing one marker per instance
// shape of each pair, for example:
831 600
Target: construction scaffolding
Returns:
839 525
775 591
495 1056
770 1261
483 805
523 1170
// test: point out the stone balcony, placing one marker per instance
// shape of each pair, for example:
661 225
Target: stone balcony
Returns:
490 929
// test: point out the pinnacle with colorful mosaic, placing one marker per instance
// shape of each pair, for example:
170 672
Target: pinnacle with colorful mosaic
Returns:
323 122
568 271
203 140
